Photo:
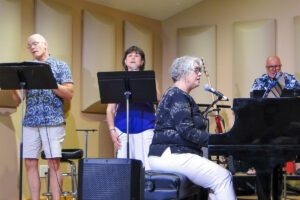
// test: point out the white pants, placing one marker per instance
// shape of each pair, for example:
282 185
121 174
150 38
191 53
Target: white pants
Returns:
139 144
199 170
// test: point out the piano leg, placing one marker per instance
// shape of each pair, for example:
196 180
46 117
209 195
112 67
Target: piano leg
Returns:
277 182
263 182
269 182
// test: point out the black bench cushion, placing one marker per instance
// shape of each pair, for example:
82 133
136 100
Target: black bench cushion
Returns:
167 185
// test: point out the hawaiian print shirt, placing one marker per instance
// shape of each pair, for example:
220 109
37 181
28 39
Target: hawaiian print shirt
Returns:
264 81
44 107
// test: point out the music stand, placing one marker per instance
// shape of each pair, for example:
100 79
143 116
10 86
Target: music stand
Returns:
25 75
285 93
127 86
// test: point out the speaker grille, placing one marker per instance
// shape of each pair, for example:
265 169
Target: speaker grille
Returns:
110 179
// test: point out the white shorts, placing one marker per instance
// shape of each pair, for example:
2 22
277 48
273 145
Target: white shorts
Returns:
50 137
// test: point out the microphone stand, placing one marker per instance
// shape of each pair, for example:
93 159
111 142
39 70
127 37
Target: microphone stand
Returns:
22 85
211 105
86 132
272 85
127 95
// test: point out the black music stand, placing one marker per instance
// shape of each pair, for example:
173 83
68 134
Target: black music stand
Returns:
133 87
25 75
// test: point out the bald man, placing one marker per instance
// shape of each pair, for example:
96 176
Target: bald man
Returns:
44 122
273 68
285 81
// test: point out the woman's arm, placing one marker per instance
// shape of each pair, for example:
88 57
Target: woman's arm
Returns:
110 116
16 95
158 94
185 126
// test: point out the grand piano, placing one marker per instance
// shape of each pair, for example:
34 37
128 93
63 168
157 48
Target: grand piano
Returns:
265 134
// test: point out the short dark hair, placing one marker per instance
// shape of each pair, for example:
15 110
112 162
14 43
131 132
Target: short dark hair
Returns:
137 50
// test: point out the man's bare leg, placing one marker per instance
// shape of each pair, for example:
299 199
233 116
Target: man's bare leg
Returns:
55 178
33 178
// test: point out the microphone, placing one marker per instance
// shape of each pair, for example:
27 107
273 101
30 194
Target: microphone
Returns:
219 94
272 84
274 77
134 68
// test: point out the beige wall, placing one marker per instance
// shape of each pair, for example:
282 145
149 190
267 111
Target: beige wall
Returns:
220 13
223 14
100 145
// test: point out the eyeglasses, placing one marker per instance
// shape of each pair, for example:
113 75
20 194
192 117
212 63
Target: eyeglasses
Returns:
273 67
33 44
197 70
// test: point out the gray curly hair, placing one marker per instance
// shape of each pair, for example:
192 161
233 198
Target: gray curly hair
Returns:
37 36
182 66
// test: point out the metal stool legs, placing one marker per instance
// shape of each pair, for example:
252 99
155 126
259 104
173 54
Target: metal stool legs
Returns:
73 176
73 179
48 194
67 156
74 184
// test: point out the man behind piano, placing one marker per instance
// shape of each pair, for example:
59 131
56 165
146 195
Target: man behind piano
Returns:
285 81
179 134
274 73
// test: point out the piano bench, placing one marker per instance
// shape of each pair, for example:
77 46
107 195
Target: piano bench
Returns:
171 186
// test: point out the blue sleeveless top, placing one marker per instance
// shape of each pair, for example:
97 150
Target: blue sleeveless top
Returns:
141 117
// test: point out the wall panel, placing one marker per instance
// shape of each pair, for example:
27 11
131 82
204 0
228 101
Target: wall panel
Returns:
253 42
141 36
200 41
54 22
297 46
98 54
10 44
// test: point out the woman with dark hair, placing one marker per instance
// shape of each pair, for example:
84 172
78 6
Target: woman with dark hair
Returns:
180 133
134 51
141 116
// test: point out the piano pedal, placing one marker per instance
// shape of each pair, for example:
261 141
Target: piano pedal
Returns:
230 165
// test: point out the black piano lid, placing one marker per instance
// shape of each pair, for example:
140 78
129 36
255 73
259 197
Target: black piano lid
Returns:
266 132
265 121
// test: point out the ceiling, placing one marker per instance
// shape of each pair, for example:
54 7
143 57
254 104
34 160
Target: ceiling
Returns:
155 9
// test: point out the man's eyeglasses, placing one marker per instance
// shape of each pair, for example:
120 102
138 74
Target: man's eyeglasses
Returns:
33 44
273 67
198 69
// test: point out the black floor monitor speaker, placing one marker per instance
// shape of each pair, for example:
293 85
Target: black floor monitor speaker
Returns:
110 179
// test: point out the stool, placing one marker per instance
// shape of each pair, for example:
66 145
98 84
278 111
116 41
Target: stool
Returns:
67 155
167 186
285 184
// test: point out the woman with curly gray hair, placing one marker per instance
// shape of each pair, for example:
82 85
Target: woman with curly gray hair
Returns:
179 133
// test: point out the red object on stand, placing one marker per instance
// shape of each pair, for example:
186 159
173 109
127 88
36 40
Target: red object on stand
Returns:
290 167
